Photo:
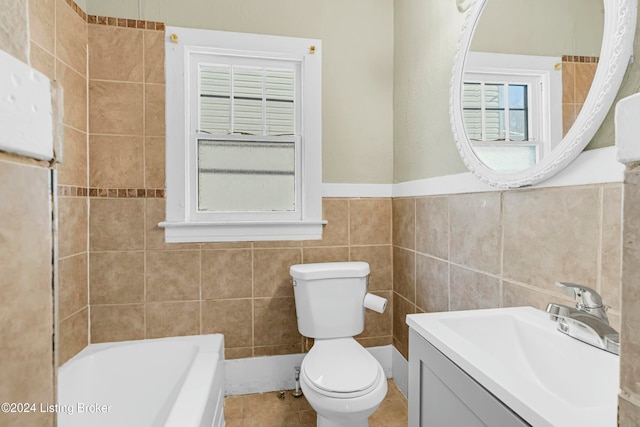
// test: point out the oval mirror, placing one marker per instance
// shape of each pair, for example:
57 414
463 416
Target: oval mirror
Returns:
532 82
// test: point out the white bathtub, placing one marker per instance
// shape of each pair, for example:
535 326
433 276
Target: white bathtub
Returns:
169 382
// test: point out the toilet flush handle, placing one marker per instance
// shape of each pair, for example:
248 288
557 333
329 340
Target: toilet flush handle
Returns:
375 303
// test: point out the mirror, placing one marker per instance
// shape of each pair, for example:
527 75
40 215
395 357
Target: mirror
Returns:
532 82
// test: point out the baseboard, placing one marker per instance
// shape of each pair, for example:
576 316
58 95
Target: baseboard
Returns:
272 373
400 369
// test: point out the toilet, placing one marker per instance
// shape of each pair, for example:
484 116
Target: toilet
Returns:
341 380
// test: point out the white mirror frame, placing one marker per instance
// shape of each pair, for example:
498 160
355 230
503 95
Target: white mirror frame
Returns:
615 53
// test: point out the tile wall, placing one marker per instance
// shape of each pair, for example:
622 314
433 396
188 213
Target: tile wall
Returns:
141 287
26 296
502 249
577 76
59 50
449 252
629 401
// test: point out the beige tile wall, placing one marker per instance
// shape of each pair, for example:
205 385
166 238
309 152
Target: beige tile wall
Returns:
59 50
502 249
141 287
629 402
26 296
577 76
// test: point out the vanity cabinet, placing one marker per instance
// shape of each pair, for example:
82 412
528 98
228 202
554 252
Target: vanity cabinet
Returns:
441 394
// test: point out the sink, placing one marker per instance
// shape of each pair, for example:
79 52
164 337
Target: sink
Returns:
517 354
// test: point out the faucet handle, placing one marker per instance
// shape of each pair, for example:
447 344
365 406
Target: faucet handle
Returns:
586 298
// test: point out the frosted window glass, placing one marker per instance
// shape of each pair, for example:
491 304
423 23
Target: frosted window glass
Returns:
507 159
245 176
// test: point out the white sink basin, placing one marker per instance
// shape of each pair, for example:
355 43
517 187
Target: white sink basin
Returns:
545 376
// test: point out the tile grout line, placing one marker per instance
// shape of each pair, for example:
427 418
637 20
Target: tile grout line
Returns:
87 178
600 233
415 256
144 184
253 306
448 254
502 227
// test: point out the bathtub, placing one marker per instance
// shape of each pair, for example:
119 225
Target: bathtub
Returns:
169 382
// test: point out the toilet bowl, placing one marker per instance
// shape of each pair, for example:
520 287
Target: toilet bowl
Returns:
341 380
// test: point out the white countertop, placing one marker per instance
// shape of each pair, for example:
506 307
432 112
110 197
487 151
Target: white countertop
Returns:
545 376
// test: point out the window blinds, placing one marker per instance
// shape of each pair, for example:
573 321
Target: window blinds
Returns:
246 100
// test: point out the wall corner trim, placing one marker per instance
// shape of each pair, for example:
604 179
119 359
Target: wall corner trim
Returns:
627 129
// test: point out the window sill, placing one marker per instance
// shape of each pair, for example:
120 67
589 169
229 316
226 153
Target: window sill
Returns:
241 231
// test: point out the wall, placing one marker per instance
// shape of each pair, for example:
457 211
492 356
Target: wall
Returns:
425 40
574 28
26 295
503 249
59 50
500 249
629 401
423 142
577 76
141 287
357 39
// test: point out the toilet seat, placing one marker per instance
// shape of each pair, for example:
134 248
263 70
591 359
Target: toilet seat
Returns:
341 368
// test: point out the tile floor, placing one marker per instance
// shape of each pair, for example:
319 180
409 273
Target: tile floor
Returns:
267 410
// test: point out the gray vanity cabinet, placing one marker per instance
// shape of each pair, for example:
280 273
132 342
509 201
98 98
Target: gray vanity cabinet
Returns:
442 395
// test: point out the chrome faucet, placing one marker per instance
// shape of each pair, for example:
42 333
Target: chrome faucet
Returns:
587 299
586 322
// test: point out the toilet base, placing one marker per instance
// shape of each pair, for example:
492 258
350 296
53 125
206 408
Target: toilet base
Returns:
325 422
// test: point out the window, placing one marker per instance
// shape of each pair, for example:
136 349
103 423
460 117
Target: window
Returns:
496 111
508 101
243 137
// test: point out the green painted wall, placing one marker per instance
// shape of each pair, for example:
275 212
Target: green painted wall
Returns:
357 39
426 35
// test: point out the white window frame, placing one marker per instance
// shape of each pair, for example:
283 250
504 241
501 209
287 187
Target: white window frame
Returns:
542 74
184 223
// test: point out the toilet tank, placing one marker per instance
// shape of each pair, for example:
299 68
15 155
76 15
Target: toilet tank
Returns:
329 298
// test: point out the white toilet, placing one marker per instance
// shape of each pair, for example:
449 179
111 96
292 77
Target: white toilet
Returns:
341 380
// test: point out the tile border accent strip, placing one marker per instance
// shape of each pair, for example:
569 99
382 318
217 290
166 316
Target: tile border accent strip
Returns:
115 22
77 9
585 59
71 191
124 22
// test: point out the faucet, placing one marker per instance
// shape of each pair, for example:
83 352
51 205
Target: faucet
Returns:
586 322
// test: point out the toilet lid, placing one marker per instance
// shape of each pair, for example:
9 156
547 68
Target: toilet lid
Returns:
341 366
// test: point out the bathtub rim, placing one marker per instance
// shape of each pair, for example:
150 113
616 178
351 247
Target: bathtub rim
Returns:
199 387
213 343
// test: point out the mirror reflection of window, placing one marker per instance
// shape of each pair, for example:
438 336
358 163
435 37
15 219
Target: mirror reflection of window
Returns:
508 102
500 123
496 111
